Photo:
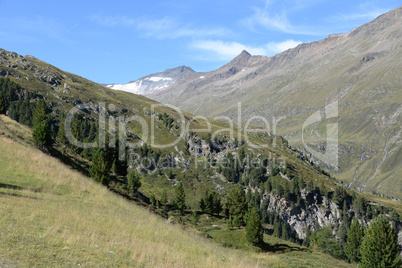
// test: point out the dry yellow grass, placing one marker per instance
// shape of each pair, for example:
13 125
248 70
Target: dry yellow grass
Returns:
59 217
12 129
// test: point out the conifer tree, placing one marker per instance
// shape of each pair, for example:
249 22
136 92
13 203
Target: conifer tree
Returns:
133 182
2 104
164 199
279 190
152 199
39 112
236 222
369 212
254 233
41 133
61 135
345 216
242 153
236 203
99 169
394 218
180 198
217 204
41 128
302 185
310 186
295 185
359 206
306 241
355 237
211 202
322 188
113 168
286 191
230 222
339 195
326 242
195 217
205 205
285 233
268 186
298 199
380 245
343 232
277 229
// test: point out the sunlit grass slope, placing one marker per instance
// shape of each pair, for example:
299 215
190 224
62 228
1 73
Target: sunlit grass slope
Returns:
51 215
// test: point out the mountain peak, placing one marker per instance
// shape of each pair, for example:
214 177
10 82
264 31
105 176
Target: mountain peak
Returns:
241 59
245 59
180 69
243 54
176 72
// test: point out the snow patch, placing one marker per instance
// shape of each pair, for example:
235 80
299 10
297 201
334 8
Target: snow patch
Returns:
157 79
201 77
134 87
144 86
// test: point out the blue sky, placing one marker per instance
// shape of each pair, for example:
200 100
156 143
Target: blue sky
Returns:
119 41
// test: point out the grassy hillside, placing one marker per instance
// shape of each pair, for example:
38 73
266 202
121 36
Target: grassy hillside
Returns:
54 216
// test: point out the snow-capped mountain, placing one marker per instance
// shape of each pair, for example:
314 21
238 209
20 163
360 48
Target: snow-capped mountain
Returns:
154 83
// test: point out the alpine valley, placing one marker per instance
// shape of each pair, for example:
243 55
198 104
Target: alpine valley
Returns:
360 70
113 175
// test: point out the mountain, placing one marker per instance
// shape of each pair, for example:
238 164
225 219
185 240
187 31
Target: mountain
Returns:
154 83
360 72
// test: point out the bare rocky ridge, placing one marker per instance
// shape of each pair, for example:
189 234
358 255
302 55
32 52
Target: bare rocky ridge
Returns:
360 70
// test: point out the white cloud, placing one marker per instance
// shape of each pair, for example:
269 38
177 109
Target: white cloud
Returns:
277 47
263 18
228 50
164 28
277 20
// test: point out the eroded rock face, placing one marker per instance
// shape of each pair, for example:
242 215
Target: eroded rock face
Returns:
199 147
300 218
318 210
